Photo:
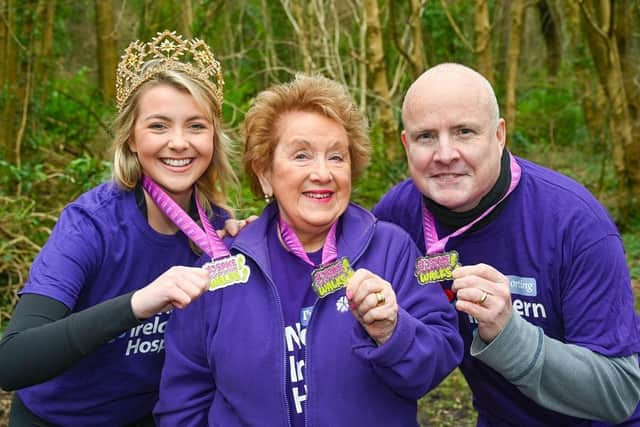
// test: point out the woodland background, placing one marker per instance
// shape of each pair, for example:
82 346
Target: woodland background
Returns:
567 75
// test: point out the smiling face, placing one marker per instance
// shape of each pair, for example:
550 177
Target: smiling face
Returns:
310 175
452 137
173 139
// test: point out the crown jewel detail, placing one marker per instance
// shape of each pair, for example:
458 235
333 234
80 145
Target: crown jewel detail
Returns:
169 52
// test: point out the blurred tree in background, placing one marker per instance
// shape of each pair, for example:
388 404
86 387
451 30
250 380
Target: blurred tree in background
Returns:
567 75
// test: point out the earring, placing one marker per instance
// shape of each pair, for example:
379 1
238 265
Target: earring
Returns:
267 198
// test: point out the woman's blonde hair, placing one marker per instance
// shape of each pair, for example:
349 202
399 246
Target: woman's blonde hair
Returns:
305 93
213 185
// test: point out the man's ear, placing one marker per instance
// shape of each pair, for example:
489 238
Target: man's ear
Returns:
501 133
403 138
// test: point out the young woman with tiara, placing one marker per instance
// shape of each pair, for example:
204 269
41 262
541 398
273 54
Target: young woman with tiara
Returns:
85 344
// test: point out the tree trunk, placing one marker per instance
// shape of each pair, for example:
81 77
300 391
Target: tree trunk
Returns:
513 55
597 20
160 15
185 8
482 28
270 56
593 99
4 37
23 92
11 83
362 65
379 83
418 62
629 62
415 57
296 15
502 28
551 34
107 49
44 47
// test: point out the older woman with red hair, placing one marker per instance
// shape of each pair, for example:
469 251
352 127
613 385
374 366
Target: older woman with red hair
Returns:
331 326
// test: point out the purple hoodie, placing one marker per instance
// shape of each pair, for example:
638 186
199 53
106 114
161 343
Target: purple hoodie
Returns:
225 353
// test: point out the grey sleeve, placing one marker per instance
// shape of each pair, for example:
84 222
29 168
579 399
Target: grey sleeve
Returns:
565 378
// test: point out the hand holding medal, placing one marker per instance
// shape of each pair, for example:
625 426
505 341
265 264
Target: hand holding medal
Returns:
176 287
373 303
483 292
224 269
372 299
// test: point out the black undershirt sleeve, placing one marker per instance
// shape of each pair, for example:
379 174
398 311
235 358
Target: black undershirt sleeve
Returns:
43 339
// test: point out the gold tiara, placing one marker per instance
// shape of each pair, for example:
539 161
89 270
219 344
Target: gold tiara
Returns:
167 51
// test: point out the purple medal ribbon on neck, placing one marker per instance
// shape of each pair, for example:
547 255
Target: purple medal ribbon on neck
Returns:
329 251
206 239
431 241
333 273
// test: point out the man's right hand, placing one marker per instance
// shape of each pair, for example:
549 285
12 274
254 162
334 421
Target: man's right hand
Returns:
483 292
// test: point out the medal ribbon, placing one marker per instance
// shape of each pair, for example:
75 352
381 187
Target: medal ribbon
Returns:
329 250
206 239
431 241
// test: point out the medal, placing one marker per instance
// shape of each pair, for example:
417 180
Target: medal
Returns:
328 278
227 271
333 274
224 269
436 268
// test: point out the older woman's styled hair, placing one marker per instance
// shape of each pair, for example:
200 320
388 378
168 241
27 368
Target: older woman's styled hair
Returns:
213 185
305 93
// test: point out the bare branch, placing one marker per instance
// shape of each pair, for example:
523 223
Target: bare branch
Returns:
455 27
592 22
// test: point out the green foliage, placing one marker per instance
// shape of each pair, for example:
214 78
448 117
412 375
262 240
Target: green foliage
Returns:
546 117
449 404
632 245
631 240
87 172
244 201
72 116
381 174
443 44
62 151
23 231
24 176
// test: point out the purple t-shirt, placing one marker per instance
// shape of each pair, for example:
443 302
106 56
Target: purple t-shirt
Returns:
292 277
568 275
100 248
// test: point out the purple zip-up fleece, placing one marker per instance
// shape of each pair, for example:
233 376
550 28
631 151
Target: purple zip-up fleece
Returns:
225 353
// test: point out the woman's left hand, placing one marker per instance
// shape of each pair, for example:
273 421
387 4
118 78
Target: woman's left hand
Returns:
373 303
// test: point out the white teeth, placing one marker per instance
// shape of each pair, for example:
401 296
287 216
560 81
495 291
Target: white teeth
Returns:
177 162
318 196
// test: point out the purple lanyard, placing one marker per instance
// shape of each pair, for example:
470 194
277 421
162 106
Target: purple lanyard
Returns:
434 245
206 239
329 251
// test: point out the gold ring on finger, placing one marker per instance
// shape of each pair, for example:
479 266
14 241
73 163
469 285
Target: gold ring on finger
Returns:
484 297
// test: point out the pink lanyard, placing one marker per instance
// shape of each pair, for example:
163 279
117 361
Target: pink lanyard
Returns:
206 239
433 245
329 251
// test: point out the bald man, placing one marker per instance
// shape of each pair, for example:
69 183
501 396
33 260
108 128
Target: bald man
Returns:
540 279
